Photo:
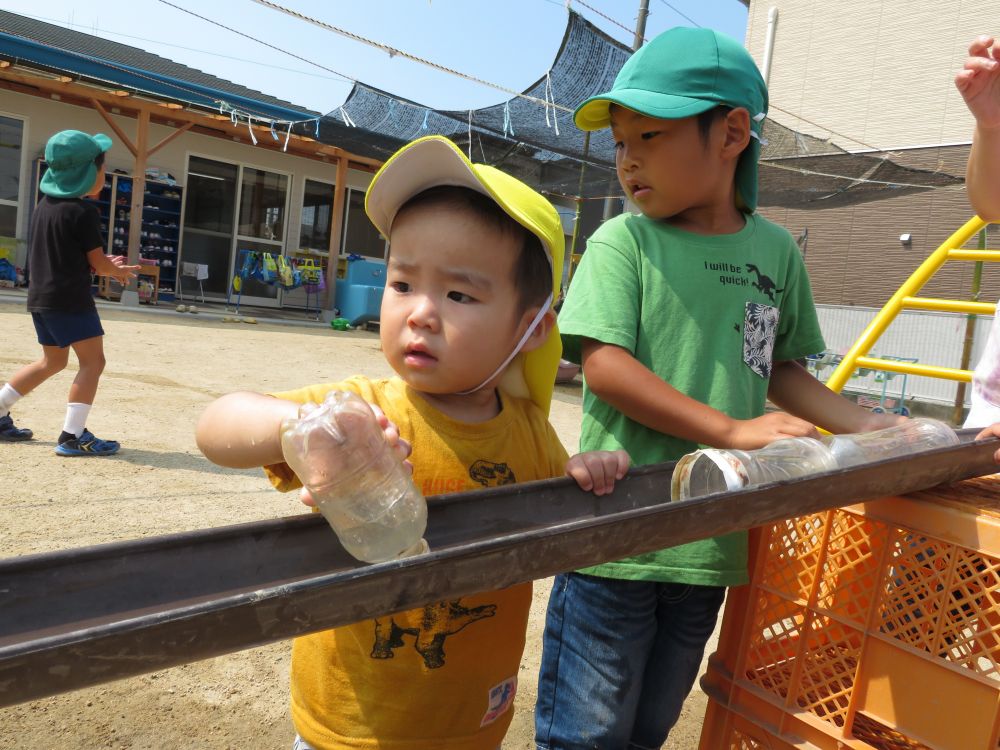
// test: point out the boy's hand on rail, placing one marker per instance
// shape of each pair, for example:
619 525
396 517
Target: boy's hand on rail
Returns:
880 421
597 471
992 431
749 434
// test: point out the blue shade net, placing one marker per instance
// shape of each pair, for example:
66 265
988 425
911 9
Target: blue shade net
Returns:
524 136
542 146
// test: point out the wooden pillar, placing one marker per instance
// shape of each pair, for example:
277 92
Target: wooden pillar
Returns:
336 240
130 296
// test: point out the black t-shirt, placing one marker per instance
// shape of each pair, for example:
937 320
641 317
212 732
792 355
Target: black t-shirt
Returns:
63 231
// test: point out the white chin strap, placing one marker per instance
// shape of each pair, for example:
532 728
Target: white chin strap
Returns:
527 334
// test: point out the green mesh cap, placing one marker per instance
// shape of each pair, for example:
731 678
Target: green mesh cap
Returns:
684 72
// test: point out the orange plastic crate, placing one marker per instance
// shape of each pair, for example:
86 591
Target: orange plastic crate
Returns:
871 626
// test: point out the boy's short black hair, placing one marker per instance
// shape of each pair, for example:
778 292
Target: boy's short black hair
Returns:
99 159
707 119
532 273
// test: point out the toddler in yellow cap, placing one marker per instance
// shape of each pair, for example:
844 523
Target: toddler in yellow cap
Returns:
466 323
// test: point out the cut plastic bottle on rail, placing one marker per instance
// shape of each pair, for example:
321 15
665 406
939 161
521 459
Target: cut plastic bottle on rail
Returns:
711 470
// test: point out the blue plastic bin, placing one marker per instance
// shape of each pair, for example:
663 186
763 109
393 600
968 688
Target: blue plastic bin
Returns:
359 293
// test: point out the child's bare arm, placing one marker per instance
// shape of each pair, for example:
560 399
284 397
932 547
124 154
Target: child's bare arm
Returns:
795 390
618 378
979 84
241 430
111 265
597 470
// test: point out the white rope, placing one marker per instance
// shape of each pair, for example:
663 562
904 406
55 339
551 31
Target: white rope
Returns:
770 163
550 100
392 52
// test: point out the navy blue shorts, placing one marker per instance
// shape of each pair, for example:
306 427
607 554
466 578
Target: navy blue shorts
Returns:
59 328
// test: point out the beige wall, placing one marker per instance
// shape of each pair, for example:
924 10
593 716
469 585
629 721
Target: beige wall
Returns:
43 117
854 255
878 72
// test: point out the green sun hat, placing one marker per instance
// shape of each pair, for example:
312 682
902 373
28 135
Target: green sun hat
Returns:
684 72
70 157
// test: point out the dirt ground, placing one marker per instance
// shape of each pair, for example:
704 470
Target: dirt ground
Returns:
163 368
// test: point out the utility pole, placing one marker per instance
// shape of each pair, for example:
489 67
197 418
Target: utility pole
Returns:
640 35
640 24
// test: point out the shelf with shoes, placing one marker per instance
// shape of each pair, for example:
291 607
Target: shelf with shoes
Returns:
159 236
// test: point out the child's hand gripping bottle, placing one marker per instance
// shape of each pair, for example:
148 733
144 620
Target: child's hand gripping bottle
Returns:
339 451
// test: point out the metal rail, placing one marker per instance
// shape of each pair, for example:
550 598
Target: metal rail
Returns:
80 617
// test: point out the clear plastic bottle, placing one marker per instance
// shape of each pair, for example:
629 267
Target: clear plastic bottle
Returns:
708 471
712 470
339 451
918 434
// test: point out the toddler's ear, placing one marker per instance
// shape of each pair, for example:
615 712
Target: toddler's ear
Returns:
541 333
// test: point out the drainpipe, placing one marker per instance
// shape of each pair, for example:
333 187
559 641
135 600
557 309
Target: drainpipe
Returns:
772 21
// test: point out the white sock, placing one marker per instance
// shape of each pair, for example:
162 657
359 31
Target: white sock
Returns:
8 397
76 418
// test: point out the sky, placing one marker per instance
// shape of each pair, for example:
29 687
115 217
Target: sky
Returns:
511 43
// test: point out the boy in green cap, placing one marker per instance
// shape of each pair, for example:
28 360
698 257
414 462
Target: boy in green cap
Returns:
66 247
686 318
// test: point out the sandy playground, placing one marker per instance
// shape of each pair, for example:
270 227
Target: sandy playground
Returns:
163 368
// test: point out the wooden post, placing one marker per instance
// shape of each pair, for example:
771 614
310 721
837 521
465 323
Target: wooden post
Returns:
336 241
130 295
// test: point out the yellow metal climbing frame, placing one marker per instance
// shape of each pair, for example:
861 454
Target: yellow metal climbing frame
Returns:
905 299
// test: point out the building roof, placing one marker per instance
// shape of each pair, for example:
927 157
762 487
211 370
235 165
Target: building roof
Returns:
28 41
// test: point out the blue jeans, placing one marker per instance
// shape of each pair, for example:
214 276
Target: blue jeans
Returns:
618 659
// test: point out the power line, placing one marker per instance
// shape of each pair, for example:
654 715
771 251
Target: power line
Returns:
70 24
393 52
606 18
260 41
680 13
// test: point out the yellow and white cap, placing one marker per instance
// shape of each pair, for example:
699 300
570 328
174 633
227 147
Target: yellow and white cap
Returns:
435 160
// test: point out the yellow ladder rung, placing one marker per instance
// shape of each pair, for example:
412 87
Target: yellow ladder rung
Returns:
912 368
949 305
955 253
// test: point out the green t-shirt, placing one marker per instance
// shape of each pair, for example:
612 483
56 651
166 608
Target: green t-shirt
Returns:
708 314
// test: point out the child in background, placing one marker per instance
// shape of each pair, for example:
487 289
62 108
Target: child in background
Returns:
686 319
475 259
65 248
979 84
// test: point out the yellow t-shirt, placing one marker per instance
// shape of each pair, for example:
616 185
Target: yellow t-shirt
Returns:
444 675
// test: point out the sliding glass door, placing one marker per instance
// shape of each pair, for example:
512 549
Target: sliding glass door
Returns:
209 220
230 208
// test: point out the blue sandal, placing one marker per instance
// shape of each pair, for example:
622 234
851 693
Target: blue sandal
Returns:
10 433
